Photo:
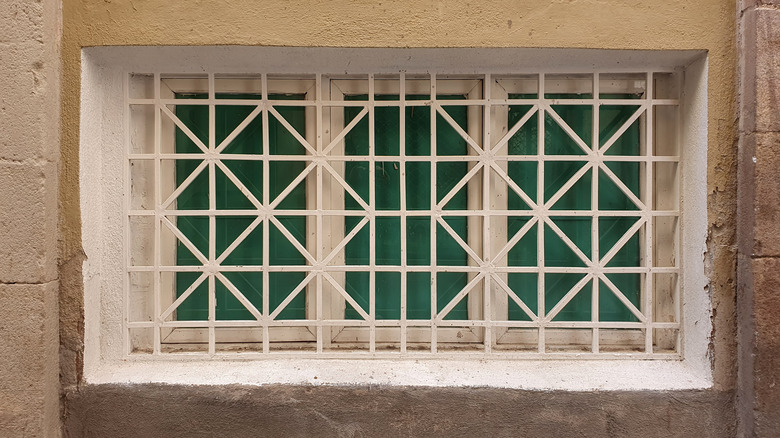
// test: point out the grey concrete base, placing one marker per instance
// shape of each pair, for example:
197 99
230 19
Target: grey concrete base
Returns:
287 411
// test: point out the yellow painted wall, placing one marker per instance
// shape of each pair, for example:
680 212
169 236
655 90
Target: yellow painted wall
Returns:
615 24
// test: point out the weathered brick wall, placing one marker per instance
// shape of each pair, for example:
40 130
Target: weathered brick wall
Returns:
29 151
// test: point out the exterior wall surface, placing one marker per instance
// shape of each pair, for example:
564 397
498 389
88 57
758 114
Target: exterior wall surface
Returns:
284 411
759 212
29 127
109 410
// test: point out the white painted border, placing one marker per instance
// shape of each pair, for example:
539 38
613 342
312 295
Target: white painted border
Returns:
530 375
696 296
102 141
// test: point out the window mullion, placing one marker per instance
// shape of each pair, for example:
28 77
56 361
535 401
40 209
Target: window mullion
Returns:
157 224
594 200
436 213
541 214
266 223
402 195
212 218
320 229
372 224
487 235
649 198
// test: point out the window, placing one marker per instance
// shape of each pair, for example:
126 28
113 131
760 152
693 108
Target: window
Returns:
403 214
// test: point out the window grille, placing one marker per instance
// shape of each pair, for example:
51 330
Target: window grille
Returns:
403 215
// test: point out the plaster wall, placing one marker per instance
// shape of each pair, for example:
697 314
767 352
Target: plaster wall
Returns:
652 25
29 153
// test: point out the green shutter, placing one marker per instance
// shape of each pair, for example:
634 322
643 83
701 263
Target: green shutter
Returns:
578 229
249 252
388 229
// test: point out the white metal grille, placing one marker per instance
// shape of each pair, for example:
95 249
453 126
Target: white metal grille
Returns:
502 318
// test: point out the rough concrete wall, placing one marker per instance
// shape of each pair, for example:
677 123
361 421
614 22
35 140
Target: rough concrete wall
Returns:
759 212
280 411
29 153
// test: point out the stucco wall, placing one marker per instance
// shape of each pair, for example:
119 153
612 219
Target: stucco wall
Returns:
660 24
29 123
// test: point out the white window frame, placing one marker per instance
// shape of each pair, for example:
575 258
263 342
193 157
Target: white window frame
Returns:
181 337
405 86
95 72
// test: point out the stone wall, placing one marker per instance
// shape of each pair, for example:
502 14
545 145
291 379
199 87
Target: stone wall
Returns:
759 223
29 153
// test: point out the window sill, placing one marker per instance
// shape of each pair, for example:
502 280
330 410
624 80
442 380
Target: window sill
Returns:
539 375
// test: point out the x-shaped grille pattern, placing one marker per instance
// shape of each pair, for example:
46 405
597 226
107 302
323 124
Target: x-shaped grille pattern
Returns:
387 215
